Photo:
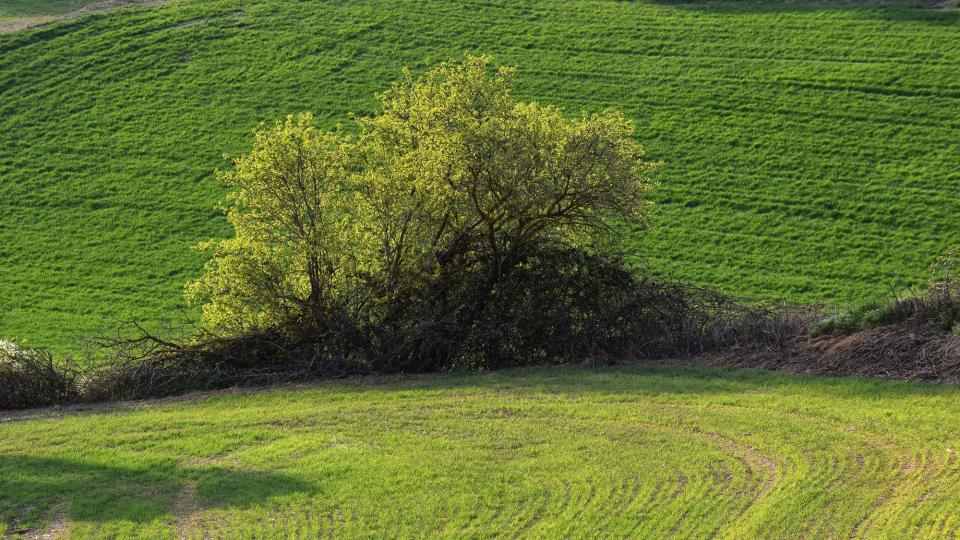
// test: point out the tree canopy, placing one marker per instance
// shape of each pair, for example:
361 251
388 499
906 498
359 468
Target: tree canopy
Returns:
453 174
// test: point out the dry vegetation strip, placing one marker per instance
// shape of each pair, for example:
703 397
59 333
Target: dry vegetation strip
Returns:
537 453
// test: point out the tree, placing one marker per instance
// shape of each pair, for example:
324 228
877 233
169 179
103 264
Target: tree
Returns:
456 165
453 180
289 210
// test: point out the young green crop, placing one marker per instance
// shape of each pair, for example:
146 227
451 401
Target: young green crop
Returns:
543 453
809 149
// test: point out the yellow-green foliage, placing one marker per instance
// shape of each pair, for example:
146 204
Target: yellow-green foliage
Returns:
454 158
288 211
453 171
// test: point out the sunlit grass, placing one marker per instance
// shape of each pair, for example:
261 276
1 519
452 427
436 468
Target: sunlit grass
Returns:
546 452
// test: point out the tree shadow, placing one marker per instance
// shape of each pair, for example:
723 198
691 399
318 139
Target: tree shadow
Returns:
925 11
93 492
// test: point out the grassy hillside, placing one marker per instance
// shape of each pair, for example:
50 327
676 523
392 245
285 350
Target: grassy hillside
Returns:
811 150
538 453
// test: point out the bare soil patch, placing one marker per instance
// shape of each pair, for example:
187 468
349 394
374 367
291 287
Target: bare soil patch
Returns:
184 509
12 24
56 527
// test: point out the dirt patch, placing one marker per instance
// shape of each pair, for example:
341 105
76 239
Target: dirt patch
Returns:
12 24
184 510
22 23
893 352
56 528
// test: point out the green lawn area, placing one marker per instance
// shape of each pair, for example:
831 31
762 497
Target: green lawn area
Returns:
810 149
549 452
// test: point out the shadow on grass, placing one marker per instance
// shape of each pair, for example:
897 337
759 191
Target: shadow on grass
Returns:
925 11
31 486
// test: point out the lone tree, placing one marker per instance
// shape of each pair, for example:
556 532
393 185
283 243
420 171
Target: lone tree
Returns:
453 181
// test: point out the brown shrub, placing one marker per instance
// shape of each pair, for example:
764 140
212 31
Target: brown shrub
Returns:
30 378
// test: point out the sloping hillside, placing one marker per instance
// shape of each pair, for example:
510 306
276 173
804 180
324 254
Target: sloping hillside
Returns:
810 150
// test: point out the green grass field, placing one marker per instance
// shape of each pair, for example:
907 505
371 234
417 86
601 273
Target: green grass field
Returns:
639 452
811 150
